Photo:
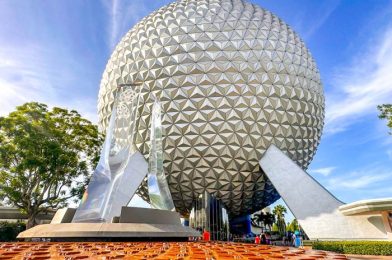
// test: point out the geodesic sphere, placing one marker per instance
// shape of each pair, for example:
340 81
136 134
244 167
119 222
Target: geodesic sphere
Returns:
232 79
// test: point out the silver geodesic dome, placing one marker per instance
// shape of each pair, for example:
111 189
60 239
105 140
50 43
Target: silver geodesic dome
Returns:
232 79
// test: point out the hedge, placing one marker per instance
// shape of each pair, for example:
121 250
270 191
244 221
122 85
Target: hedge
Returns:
355 247
9 230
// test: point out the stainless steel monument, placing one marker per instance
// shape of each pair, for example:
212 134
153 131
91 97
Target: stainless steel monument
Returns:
102 213
121 167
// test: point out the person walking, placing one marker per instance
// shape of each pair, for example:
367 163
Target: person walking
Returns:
206 235
268 238
293 237
263 239
284 239
289 238
297 239
257 240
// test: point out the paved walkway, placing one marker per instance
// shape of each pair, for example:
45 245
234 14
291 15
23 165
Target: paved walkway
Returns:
157 250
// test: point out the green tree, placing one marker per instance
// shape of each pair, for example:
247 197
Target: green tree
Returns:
45 157
279 212
269 220
275 228
263 220
258 219
293 226
386 113
10 230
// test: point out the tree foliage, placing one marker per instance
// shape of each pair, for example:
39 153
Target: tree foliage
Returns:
269 220
275 228
386 113
45 157
292 226
263 220
258 219
10 230
279 212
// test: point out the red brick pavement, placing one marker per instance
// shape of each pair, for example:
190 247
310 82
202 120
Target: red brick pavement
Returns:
156 250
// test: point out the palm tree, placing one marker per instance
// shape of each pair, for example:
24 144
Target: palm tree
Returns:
258 220
269 220
279 212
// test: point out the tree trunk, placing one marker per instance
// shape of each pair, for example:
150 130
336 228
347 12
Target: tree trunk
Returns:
31 220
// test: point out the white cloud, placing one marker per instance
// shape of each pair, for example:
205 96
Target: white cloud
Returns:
361 182
326 10
114 13
372 178
389 153
23 77
365 85
124 14
323 171
30 74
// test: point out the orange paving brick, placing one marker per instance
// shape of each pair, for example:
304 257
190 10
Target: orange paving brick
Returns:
156 250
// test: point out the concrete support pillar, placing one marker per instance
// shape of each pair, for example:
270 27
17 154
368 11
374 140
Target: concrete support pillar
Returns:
318 212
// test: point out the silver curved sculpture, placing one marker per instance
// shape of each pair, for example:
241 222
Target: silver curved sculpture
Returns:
158 189
121 167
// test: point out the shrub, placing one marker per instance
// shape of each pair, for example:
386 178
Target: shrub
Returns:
9 230
355 247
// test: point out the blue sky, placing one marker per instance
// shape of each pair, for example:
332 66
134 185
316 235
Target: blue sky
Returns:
55 52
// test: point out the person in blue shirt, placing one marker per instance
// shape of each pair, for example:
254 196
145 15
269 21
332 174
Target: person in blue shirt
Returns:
298 239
